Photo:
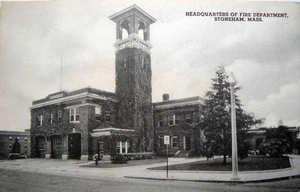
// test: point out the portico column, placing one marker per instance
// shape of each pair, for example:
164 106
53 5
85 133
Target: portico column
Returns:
120 146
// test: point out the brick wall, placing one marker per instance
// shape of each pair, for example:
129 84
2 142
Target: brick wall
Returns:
181 129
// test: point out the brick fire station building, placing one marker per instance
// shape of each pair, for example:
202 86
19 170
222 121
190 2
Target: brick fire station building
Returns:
81 123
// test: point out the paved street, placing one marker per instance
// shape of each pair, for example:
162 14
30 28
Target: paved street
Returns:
23 181
59 175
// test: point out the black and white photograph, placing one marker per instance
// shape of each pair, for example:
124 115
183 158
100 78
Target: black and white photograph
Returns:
124 95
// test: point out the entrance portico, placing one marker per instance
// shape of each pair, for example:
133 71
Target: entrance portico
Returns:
110 141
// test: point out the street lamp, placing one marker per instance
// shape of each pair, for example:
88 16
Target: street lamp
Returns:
233 131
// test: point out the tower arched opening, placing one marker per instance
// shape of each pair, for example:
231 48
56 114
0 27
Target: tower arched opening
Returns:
142 30
125 32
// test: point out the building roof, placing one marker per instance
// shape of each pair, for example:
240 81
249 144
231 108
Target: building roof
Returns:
264 129
119 15
179 102
109 131
25 133
63 96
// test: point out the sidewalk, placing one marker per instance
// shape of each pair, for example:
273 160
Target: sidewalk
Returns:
73 168
217 176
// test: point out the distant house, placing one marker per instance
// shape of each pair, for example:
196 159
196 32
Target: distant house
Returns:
8 139
256 136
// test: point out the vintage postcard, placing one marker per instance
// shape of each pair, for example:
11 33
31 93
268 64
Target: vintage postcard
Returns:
105 90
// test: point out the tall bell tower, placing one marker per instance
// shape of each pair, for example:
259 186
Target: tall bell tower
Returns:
133 74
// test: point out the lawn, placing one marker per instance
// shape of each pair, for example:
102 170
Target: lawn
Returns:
249 164
108 164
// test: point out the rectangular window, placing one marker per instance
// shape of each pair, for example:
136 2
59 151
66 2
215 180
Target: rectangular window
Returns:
107 116
40 120
98 113
171 120
176 119
51 118
188 118
59 116
25 138
74 115
160 121
122 147
174 142
10 138
57 144
118 147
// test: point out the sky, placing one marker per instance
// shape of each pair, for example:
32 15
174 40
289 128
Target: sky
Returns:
36 37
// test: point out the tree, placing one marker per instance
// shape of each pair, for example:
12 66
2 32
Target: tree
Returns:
216 117
277 142
16 146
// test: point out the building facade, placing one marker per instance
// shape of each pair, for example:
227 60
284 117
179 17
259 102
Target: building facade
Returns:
79 124
177 119
62 123
9 139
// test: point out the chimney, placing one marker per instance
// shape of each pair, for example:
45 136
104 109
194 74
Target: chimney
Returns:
166 97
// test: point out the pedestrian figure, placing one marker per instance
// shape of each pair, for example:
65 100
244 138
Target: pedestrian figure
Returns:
96 157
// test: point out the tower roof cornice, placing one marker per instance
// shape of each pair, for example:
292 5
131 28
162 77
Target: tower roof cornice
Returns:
117 16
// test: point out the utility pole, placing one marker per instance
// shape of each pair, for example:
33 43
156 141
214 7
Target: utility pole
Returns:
233 134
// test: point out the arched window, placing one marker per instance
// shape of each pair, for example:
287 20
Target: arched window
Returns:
142 31
141 34
124 34
124 30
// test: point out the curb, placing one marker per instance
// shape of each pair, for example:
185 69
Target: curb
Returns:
218 181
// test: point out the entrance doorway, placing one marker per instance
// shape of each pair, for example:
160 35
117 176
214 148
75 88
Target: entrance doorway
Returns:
74 144
187 143
40 147
56 147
